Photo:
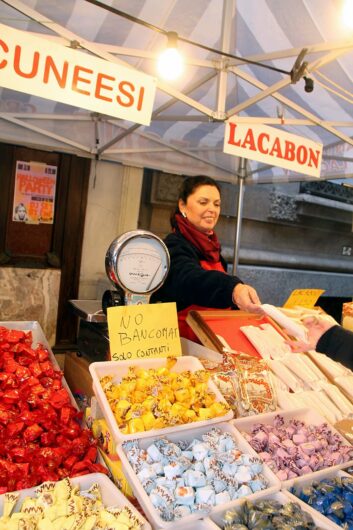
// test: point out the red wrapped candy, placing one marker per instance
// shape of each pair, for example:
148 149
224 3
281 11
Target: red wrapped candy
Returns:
41 437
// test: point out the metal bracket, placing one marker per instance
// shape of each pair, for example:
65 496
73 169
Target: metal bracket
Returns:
219 115
299 67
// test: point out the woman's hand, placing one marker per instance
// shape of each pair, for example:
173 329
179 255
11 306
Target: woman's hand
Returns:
246 298
316 326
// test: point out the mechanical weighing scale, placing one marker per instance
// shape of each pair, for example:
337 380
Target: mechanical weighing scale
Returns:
136 263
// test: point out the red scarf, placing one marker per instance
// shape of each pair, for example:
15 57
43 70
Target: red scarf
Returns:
208 245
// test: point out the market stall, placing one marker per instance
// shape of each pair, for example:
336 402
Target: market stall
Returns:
192 437
204 439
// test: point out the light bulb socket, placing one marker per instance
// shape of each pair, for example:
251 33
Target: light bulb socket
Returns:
172 37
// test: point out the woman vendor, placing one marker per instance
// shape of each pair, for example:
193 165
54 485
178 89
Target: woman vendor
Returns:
197 278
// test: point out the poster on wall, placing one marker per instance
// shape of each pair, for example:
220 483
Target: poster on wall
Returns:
34 198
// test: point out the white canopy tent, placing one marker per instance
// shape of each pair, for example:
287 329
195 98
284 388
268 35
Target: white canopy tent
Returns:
187 128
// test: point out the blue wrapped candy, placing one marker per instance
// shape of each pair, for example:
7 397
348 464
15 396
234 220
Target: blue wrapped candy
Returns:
332 497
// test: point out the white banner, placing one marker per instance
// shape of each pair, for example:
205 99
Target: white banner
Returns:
36 66
273 146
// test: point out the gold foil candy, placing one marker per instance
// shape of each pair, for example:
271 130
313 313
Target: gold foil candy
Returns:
136 425
148 420
205 413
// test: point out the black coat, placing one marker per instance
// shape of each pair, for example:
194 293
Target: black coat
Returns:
188 283
337 343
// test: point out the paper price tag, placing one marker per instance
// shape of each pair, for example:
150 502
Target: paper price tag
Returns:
303 298
143 331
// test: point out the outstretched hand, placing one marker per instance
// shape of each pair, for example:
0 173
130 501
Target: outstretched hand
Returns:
316 326
246 298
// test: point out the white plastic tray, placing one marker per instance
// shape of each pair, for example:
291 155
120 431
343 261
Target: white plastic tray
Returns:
187 435
202 524
118 369
302 482
38 337
111 496
282 497
308 416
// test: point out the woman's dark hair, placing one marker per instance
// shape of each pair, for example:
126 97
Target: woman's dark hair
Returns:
189 185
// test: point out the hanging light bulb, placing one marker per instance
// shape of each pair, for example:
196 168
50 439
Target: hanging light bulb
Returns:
170 63
347 13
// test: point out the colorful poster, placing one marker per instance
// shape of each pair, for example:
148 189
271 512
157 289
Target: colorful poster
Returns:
34 197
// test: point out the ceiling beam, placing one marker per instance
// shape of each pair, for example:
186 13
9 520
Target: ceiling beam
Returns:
44 132
286 101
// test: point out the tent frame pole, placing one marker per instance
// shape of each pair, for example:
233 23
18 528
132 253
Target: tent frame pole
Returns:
241 176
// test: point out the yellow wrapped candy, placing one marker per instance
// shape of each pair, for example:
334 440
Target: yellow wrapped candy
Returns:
219 408
148 421
122 407
209 398
205 413
135 425
160 397
190 415
135 411
182 394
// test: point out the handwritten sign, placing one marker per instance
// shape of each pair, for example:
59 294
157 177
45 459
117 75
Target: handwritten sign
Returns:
143 331
303 298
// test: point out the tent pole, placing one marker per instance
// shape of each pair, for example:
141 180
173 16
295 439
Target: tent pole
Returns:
241 180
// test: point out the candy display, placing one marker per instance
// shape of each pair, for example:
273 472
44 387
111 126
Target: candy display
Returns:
41 437
267 341
155 398
246 383
162 424
330 367
332 497
293 448
330 402
61 505
183 477
268 515
255 391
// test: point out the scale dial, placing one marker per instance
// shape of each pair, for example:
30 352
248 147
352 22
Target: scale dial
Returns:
138 261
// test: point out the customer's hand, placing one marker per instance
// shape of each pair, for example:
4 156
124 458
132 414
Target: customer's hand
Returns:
246 298
316 326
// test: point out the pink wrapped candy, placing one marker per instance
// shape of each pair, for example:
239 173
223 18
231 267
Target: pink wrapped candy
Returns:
292 448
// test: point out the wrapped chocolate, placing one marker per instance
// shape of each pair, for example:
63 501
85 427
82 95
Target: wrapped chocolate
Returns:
292 447
332 497
245 382
268 514
64 505
155 398
41 437
255 389
195 474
